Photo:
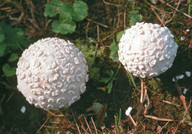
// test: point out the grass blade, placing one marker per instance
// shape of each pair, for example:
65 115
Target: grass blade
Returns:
131 76
119 119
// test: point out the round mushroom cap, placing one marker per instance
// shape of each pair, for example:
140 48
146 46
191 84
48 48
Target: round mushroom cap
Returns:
147 50
52 73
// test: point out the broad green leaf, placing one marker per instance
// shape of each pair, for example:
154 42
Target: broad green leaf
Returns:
109 87
133 11
2 36
119 5
114 56
14 37
97 106
64 18
66 12
137 8
105 80
80 10
119 35
110 73
135 18
53 8
114 49
8 71
13 57
2 49
63 28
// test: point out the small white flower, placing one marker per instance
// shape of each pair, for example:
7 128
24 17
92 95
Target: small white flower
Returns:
158 79
173 79
188 73
182 38
23 109
187 30
179 77
184 90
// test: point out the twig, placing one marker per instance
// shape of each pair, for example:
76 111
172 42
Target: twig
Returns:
146 97
157 16
20 8
2 99
78 128
86 31
174 12
107 3
182 98
32 10
163 127
87 125
82 124
3 3
124 17
61 115
1 110
153 9
51 127
8 86
108 36
76 123
189 103
42 125
94 125
157 118
118 18
103 25
171 103
10 97
178 10
98 40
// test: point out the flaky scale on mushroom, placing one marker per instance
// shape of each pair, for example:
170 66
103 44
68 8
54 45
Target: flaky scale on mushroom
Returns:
147 50
52 73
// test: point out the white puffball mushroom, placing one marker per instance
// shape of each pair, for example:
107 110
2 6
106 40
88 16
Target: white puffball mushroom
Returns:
173 79
23 109
127 113
187 30
147 49
184 90
179 77
52 73
188 73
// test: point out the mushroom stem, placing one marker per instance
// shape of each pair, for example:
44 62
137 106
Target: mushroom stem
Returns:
131 118
142 91
147 99
128 111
